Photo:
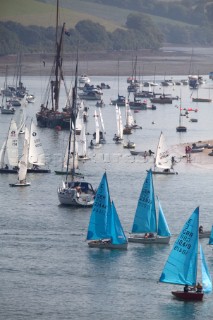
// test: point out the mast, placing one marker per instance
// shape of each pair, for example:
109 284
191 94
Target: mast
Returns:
73 116
55 84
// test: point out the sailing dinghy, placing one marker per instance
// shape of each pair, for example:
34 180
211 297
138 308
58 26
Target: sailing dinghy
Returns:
182 264
163 161
9 151
22 172
36 158
105 230
146 228
118 137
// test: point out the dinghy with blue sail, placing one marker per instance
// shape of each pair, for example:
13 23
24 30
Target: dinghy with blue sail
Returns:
105 230
146 228
182 264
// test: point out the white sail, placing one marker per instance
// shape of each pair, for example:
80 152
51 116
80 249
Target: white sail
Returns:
72 164
20 119
82 143
12 144
163 159
78 125
36 152
23 163
129 117
97 129
120 124
2 154
101 121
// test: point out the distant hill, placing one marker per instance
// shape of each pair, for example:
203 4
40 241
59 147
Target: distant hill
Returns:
102 24
42 13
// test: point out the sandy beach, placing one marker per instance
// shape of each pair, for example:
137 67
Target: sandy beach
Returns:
167 61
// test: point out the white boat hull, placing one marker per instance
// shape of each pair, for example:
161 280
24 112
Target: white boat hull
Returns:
106 245
72 198
18 184
144 240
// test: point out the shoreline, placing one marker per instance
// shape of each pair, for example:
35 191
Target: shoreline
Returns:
169 61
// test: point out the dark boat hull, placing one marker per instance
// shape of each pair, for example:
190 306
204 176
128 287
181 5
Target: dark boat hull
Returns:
188 296
38 170
8 171
165 172
53 121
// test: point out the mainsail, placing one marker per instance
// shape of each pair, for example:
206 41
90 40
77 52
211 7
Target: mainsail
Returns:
163 159
99 221
145 216
12 145
181 266
36 152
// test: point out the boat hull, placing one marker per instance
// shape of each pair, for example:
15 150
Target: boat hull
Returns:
154 240
26 184
181 129
2 170
165 172
106 245
69 197
53 120
31 170
188 296
204 234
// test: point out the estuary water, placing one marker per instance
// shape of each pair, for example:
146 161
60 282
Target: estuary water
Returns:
47 270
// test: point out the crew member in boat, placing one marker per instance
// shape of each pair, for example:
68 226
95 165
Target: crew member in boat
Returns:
199 287
150 152
78 188
6 167
200 229
151 235
186 288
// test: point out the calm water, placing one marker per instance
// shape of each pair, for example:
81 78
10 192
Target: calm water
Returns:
47 270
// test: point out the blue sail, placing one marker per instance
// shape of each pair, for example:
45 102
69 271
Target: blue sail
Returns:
117 233
181 266
206 278
145 216
98 225
211 237
163 228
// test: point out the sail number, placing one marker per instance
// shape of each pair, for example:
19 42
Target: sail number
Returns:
183 244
